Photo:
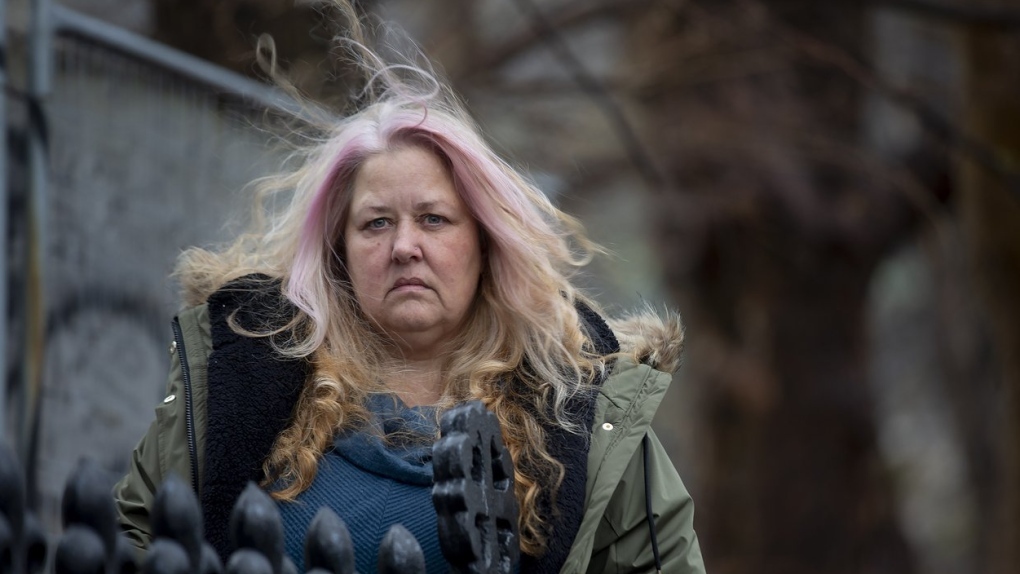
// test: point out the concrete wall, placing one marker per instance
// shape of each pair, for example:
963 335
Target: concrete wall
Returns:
143 165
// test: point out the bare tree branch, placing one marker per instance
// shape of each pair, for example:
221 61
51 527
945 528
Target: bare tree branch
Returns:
635 149
934 122
561 18
941 127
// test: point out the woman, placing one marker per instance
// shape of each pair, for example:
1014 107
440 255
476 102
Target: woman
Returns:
411 269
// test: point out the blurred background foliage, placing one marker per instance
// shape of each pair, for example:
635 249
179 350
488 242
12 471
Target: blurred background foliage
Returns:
828 191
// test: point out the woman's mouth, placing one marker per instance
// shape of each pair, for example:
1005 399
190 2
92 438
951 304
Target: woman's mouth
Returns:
409 284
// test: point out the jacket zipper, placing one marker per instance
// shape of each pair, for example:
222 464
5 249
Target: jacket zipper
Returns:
189 416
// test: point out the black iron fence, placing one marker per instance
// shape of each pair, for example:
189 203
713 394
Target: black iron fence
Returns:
473 494
119 153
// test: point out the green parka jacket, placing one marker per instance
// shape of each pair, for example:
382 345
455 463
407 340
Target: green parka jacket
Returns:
613 536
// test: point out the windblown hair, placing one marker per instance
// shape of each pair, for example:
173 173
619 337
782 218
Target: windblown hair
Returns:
522 350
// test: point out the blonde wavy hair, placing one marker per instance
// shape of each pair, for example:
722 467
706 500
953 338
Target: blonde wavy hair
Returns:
523 352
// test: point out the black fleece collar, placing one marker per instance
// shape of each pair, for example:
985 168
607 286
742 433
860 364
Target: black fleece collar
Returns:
572 452
252 391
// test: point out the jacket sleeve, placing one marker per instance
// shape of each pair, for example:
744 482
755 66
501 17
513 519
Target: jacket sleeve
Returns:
135 492
163 450
622 539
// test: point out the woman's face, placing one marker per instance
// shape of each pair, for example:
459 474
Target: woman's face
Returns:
412 249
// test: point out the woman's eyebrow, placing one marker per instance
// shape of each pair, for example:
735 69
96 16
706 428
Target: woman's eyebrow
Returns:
373 209
432 204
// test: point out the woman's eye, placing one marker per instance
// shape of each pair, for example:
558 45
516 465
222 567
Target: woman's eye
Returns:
432 219
377 223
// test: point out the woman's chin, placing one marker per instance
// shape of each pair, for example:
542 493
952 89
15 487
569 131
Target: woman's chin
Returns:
415 329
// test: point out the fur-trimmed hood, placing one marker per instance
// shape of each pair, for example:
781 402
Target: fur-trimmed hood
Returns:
652 339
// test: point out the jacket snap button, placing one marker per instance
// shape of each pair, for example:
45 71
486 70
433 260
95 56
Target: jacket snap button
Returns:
169 399
607 426
173 347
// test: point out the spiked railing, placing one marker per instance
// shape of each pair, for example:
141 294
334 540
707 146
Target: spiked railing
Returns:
473 495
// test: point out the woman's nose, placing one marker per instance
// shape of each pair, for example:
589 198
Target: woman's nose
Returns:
406 244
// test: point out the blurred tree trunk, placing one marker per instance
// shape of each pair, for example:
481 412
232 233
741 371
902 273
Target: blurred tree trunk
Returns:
770 243
990 211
